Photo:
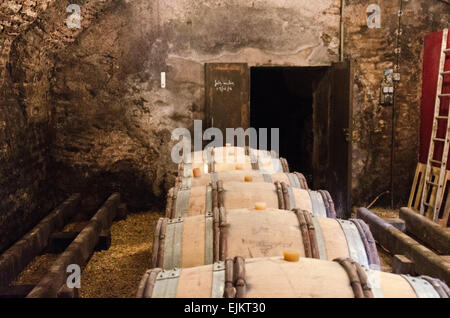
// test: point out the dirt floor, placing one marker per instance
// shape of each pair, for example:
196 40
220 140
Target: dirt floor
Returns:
112 273
33 273
117 271
385 213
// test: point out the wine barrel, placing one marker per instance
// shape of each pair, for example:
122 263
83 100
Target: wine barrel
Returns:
267 165
235 195
233 150
276 278
205 239
295 180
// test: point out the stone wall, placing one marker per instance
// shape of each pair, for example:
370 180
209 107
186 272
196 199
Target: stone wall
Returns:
374 51
84 110
113 119
30 35
24 141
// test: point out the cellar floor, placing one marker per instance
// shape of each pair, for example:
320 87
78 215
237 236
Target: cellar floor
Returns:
116 273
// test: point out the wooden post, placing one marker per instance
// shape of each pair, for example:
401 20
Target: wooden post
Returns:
78 251
427 231
17 257
403 265
426 261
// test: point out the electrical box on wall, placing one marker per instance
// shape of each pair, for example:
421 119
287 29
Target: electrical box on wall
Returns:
387 88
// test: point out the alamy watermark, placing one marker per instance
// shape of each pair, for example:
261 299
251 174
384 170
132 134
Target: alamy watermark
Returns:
182 151
74 279
73 21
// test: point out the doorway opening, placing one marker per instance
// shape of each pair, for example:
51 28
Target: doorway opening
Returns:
284 98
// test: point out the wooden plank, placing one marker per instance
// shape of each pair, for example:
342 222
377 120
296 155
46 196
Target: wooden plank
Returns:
427 231
416 193
17 257
446 202
78 251
419 191
426 261
432 199
122 212
397 223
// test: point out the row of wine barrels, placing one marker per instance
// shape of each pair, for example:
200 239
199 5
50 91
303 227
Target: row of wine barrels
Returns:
267 165
229 150
235 195
295 180
276 277
205 239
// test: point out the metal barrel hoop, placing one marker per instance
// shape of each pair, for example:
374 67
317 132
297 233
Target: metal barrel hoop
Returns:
421 287
162 240
369 243
169 203
156 243
438 285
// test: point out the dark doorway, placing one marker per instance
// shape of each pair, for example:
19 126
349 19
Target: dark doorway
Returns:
283 97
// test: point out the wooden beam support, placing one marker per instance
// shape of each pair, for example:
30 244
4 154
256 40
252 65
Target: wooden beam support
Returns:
59 241
403 265
78 252
122 212
426 261
17 257
437 237
397 223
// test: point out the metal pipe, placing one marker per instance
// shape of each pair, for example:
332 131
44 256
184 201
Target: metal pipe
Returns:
397 70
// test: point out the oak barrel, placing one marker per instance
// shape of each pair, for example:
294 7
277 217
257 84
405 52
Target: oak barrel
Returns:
296 180
276 278
235 195
205 239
